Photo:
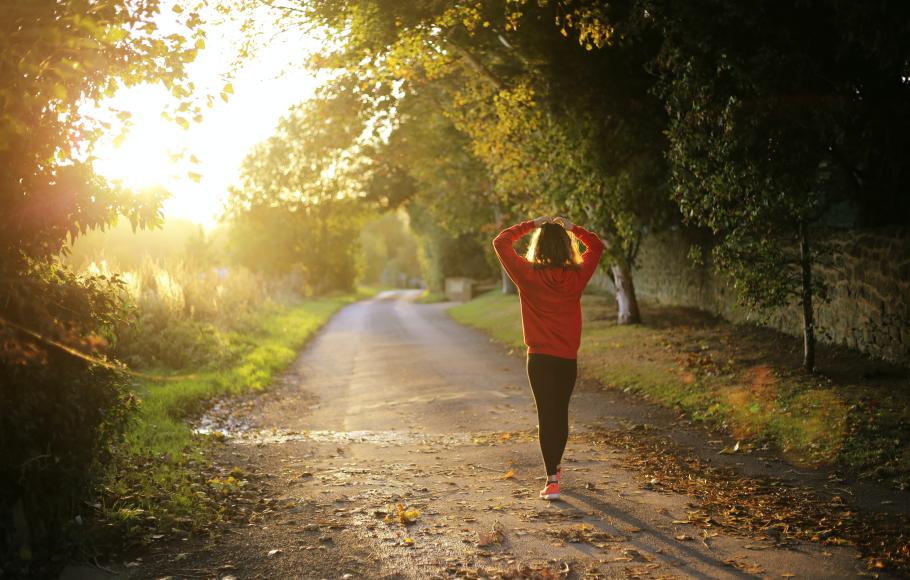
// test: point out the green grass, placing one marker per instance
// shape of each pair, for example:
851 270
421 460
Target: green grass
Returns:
495 313
156 476
427 297
812 420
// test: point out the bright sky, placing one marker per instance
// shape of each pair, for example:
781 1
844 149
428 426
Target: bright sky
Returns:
264 89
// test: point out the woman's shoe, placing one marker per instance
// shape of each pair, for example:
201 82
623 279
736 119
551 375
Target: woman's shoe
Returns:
551 491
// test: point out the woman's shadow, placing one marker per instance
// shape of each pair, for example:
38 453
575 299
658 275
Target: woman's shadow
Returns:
675 553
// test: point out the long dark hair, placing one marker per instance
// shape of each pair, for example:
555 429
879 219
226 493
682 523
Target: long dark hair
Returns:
553 247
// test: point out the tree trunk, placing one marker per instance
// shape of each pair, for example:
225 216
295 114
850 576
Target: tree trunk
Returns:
626 301
805 260
508 287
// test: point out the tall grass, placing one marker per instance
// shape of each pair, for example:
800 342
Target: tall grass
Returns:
183 315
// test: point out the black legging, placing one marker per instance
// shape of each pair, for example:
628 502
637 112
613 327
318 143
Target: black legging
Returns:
552 380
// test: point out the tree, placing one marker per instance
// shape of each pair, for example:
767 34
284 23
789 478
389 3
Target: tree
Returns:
548 137
60 411
390 251
774 119
448 199
566 124
296 206
55 58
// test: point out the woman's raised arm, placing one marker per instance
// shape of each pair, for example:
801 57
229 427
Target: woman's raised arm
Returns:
504 246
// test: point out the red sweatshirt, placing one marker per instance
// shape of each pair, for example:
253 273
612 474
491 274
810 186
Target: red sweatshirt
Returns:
550 297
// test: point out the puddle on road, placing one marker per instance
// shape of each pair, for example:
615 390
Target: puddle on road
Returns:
219 421
269 437
278 436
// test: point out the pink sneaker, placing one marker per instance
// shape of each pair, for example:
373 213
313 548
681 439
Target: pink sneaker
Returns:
551 491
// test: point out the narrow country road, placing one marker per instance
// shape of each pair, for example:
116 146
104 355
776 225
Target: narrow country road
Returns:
394 403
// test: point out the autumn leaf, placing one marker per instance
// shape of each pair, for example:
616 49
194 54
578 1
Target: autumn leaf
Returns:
729 450
403 515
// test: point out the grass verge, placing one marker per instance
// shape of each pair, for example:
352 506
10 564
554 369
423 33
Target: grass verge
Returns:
157 484
854 413
427 297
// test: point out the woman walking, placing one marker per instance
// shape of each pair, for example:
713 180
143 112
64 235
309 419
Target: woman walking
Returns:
550 280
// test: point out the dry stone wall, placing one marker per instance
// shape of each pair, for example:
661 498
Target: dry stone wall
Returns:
868 280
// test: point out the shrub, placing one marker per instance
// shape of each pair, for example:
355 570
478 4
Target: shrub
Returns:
176 309
60 413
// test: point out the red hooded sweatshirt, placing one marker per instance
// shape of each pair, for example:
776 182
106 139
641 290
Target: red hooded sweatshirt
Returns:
550 297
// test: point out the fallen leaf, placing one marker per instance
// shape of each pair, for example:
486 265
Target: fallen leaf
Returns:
730 450
403 515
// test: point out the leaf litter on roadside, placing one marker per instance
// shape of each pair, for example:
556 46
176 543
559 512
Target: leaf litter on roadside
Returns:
494 536
766 509
583 533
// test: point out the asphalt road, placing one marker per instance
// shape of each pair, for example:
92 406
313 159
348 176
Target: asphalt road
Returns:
394 403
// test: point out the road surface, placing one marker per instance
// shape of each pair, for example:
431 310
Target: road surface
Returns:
394 403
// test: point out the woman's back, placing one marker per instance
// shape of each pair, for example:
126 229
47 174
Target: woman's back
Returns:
550 296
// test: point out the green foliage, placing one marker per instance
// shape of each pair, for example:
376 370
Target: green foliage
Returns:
55 57
492 112
296 208
389 251
443 254
60 413
747 165
58 424
319 241
555 141
442 185
772 126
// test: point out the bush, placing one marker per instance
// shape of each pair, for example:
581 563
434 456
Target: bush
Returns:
177 310
60 413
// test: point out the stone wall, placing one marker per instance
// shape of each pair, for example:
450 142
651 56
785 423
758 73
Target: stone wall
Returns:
868 280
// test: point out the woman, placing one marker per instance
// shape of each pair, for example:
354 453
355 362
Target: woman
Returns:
550 280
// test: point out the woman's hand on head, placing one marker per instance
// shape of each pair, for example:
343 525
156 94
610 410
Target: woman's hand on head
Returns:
566 224
542 220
